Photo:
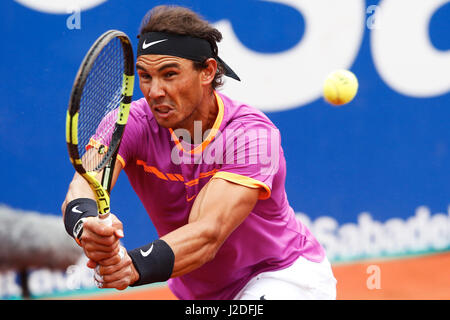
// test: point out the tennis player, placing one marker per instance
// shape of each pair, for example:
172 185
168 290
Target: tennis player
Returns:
210 171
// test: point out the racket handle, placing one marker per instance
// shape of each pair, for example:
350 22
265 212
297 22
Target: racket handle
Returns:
105 218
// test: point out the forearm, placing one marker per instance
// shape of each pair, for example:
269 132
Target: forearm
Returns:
80 203
193 245
78 188
175 254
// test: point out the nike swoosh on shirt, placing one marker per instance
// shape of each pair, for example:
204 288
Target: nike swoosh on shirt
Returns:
146 253
189 199
146 45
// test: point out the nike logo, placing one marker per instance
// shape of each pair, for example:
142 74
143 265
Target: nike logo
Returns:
146 253
190 199
146 45
74 209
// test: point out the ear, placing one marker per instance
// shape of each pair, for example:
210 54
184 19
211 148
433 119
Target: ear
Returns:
208 73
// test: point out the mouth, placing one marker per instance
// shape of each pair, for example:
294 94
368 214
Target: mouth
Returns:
162 111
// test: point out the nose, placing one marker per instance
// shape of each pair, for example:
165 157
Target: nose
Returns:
156 90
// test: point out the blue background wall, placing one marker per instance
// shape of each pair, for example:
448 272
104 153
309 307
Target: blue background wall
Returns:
386 153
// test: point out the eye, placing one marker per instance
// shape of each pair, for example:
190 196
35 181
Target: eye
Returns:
170 74
144 75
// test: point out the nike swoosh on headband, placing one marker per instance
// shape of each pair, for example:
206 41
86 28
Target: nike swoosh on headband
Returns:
147 45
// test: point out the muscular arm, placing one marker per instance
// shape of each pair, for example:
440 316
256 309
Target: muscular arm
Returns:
219 208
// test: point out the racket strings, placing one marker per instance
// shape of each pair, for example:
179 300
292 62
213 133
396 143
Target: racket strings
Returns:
99 104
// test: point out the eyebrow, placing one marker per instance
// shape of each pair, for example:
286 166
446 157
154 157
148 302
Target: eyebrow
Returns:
166 66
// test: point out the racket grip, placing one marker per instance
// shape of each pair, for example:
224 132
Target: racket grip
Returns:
105 218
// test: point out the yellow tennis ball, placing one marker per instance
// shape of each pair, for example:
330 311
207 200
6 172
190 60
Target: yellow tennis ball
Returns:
340 87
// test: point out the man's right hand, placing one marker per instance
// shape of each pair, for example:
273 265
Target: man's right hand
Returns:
101 242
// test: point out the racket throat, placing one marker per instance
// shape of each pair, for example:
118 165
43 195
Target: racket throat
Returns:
102 196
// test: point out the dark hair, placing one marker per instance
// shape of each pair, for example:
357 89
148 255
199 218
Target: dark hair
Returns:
183 21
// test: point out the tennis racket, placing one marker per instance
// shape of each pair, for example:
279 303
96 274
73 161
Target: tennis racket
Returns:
98 111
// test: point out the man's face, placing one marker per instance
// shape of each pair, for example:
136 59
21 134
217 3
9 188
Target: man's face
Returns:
172 88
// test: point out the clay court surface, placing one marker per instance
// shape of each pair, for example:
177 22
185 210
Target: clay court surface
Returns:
420 277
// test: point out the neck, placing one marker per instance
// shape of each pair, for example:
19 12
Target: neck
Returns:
203 118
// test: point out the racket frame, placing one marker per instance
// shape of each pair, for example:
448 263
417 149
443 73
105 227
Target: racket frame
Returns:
101 190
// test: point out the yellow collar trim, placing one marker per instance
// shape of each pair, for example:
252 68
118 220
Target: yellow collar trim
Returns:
212 133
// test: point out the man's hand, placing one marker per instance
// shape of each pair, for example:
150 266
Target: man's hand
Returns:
101 242
118 275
